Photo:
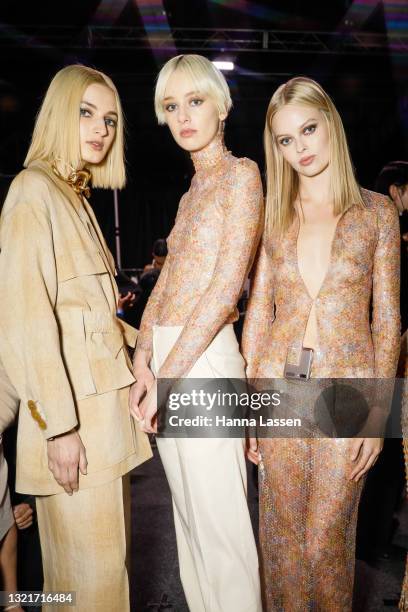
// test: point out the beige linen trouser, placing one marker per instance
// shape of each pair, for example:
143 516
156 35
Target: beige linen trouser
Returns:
207 477
84 546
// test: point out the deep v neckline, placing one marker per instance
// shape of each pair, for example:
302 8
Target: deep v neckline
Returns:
330 260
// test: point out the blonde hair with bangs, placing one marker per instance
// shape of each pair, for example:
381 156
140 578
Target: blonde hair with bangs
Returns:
206 77
56 130
282 179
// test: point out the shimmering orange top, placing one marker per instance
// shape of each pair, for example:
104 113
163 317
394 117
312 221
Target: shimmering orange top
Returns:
210 251
363 270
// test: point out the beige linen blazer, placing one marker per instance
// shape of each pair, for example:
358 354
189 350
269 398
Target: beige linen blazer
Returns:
61 344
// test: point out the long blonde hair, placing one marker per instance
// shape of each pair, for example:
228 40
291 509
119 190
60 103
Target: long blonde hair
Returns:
282 179
56 130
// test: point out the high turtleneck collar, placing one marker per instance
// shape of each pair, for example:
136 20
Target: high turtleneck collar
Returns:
211 156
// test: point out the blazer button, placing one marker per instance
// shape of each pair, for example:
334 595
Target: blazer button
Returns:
42 424
36 415
32 406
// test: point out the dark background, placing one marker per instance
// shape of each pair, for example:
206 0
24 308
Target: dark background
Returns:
357 50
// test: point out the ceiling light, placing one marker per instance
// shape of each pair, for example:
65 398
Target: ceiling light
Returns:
224 65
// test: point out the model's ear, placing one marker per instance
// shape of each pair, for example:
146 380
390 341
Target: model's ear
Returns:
223 116
393 190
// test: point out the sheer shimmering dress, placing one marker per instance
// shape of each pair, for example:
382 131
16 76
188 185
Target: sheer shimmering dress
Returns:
403 373
308 506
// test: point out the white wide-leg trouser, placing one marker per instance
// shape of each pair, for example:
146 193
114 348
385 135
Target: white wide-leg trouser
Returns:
207 477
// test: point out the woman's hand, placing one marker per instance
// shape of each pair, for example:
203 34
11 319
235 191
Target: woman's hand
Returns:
23 515
148 410
364 453
126 301
144 381
67 455
252 451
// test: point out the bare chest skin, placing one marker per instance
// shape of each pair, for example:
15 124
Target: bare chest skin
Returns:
314 244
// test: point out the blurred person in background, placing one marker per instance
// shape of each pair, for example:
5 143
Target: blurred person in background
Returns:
393 182
148 280
129 293
159 255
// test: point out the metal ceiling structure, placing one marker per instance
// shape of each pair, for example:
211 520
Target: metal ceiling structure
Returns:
205 39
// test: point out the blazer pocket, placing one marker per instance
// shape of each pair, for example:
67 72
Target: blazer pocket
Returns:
94 351
79 262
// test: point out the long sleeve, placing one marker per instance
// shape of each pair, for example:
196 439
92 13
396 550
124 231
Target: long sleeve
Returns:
259 313
150 315
30 340
386 280
144 339
240 231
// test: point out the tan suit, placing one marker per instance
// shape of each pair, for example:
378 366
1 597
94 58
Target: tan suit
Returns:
61 343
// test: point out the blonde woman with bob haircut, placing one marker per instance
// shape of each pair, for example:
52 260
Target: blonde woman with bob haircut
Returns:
62 346
187 331
329 249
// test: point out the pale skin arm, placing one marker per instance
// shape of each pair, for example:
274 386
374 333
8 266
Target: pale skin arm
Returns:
143 354
148 409
364 454
252 450
144 382
67 455
8 564
144 394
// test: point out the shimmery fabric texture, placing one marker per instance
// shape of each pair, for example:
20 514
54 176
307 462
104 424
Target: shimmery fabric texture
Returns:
210 251
403 372
308 507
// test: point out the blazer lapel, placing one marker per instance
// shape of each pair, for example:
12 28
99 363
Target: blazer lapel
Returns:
75 205
106 254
